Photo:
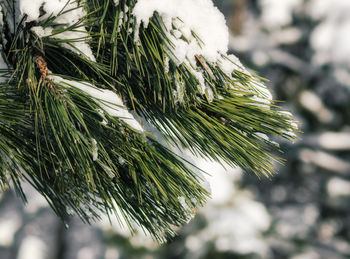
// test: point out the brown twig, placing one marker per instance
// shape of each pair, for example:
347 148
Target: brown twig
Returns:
202 63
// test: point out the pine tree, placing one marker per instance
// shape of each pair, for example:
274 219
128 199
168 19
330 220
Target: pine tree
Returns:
90 88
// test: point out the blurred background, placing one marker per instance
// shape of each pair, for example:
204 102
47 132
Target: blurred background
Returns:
303 48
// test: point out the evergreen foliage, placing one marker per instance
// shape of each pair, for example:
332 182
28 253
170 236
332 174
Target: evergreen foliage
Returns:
51 129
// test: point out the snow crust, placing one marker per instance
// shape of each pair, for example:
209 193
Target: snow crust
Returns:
109 101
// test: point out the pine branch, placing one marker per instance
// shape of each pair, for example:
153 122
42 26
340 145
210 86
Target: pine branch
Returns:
90 155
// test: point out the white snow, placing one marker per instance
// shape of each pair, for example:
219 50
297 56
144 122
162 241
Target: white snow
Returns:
262 136
183 20
278 13
236 220
71 15
337 187
109 101
230 63
94 150
331 38
9 227
32 8
32 247
199 16
121 160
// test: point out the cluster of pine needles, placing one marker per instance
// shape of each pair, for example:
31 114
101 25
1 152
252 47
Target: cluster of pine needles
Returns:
49 131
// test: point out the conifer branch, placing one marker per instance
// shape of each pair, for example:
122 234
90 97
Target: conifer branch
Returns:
80 142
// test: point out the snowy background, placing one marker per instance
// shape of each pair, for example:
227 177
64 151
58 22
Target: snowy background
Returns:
303 48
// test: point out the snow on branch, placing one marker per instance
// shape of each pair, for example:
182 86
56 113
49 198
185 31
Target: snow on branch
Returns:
109 101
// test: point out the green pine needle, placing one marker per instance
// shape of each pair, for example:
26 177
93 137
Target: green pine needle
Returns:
81 159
